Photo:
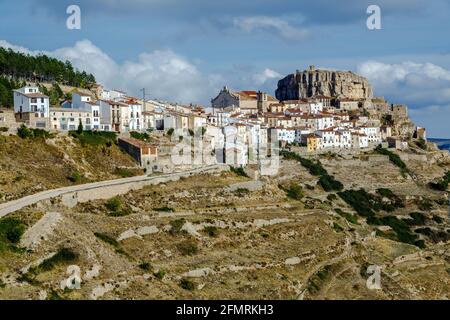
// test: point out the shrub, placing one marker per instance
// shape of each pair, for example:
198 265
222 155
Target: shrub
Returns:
124 172
75 177
3 129
95 138
328 183
187 248
212 231
348 216
337 227
160 274
331 197
295 191
145 266
438 219
140 136
393 157
418 219
114 204
11 230
187 284
239 171
441 185
23 132
425 204
176 226
422 144
63 256
170 132
241 192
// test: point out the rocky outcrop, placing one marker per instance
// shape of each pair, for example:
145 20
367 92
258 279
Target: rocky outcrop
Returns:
313 82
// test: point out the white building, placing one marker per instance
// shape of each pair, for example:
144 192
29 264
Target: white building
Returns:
31 107
285 135
372 132
63 119
315 108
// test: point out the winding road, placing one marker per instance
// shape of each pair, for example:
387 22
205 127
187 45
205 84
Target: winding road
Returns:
12 206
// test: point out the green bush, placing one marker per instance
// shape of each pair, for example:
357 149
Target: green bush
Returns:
75 177
3 129
348 216
176 226
114 204
95 138
187 284
418 219
393 157
328 183
145 266
127 173
11 230
211 231
239 171
63 256
295 191
160 274
441 185
242 192
187 248
140 136
170 132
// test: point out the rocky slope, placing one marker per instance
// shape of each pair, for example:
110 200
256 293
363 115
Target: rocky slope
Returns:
223 236
313 82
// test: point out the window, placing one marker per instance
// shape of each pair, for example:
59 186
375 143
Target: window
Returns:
42 100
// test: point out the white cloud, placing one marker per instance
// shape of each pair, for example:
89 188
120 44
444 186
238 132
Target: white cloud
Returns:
165 74
423 86
281 27
265 76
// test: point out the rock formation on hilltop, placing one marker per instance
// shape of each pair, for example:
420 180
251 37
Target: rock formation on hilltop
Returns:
313 82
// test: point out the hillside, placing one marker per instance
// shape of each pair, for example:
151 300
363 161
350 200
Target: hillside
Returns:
223 236
17 69
28 166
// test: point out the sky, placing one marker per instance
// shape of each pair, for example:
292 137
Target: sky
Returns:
186 51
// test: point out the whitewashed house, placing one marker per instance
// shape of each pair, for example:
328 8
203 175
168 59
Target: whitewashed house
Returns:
64 119
31 107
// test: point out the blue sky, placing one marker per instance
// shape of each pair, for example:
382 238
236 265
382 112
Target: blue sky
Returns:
187 50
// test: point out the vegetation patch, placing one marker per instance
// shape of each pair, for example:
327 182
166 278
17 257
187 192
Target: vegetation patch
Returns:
111 241
11 230
328 183
27 133
241 192
176 226
62 257
188 248
239 171
294 191
116 207
127 173
441 185
95 138
211 231
393 157
187 284
144 136
348 216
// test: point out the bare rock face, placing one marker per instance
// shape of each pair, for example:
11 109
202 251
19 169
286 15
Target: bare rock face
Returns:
313 82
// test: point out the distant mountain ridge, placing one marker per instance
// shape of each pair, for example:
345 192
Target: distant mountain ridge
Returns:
443 144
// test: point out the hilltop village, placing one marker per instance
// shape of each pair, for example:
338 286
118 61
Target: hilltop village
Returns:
317 111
